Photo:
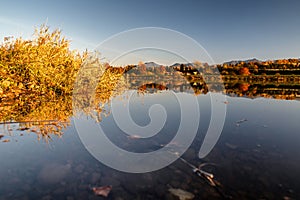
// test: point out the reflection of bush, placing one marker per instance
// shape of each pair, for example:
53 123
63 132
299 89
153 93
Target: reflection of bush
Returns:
41 115
46 115
95 85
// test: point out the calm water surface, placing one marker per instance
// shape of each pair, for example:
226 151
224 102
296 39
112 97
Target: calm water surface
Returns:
256 157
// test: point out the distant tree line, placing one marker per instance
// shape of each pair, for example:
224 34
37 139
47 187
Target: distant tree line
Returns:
276 67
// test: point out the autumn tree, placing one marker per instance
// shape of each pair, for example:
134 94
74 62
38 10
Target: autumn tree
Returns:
244 71
244 87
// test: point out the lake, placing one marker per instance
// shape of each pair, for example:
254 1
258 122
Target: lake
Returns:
256 155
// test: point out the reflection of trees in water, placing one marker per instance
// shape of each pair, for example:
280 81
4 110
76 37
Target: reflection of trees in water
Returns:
151 87
47 116
253 90
248 88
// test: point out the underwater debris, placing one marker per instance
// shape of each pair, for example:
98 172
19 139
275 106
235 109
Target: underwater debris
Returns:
181 194
237 123
134 137
102 191
241 121
231 146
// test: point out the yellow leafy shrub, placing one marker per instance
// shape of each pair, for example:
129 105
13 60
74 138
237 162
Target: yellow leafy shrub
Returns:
40 65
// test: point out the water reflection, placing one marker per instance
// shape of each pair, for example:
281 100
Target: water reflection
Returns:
257 155
49 116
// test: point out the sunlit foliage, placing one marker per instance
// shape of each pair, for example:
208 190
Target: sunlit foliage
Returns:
38 66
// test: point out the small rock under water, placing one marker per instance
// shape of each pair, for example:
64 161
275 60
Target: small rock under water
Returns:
181 194
53 173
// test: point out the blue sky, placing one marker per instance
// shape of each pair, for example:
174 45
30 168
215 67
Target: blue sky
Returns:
227 29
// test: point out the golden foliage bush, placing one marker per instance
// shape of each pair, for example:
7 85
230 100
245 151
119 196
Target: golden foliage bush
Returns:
42 65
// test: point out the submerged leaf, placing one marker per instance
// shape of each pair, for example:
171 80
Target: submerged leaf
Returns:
102 191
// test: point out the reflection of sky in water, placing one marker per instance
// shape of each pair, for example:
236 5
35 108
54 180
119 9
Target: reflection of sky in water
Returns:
256 154
274 122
